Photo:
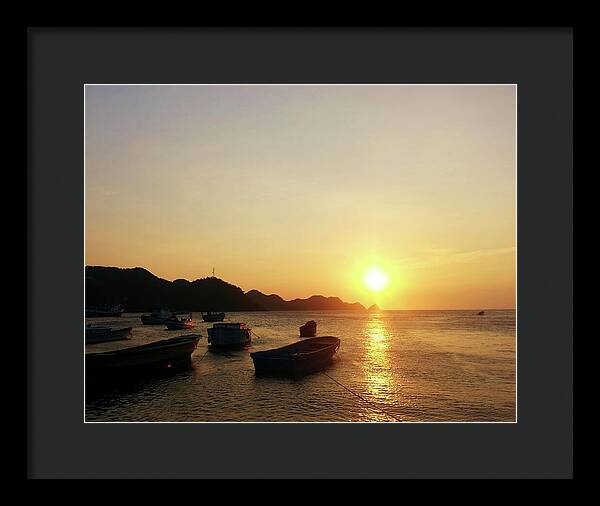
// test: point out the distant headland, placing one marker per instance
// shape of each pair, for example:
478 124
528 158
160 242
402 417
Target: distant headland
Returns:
138 290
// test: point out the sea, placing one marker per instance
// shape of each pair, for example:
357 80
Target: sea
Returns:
392 366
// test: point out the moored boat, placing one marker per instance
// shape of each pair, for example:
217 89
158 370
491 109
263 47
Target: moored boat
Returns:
309 329
209 316
297 359
89 329
175 323
105 334
158 354
481 313
159 317
229 335
108 311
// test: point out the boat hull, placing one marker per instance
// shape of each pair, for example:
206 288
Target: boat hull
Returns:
179 325
154 355
298 359
228 338
96 313
106 336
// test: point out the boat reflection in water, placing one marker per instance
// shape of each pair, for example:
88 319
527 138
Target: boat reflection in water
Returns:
144 382
377 365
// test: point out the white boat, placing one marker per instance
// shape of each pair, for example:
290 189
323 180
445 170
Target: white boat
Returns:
104 334
229 335
180 323
92 331
95 311
157 317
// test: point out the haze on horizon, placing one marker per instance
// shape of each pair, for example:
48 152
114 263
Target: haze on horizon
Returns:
299 190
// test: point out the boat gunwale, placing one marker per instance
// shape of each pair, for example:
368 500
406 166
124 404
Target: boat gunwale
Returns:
108 329
97 331
163 344
185 323
270 355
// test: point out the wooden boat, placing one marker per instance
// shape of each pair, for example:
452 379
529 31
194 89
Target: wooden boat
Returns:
158 354
309 329
105 334
97 311
297 359
209 316
89 329
180 323
223 335
157 317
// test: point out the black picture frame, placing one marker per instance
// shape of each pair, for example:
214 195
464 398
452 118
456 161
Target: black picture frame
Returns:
61 61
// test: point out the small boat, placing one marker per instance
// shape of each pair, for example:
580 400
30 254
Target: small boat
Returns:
297 359
481 313
157 317
309 329
165 353
104 334
175 323
89 329
209 316
229 335
96 311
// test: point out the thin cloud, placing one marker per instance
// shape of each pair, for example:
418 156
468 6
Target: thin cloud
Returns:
445 257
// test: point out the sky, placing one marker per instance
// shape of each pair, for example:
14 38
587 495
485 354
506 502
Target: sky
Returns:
301 190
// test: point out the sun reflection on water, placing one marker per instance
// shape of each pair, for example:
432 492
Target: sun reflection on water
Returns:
377 364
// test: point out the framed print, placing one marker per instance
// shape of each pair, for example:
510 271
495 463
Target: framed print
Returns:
336 239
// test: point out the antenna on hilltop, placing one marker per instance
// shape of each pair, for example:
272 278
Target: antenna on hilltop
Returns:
213 272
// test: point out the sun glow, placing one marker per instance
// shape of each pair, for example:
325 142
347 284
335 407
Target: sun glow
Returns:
375 279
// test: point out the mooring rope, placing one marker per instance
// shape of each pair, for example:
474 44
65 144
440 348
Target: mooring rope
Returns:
351 391
204 355
363 399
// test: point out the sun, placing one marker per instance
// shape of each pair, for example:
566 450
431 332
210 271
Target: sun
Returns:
375 279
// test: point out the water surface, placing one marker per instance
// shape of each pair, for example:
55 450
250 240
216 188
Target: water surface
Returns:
414 366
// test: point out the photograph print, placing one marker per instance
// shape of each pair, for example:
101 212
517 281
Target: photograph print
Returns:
300 253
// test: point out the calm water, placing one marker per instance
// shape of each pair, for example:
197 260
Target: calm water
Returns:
419 366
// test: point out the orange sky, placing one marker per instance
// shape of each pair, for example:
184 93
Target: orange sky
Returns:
298 190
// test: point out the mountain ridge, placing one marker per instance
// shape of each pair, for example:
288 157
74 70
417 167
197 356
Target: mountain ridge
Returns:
140 290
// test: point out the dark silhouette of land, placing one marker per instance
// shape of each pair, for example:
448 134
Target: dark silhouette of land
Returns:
276 303
139 290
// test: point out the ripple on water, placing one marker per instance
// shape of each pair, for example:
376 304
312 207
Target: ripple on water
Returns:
414 365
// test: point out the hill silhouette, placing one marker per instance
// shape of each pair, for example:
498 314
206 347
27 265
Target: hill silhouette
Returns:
139 290
315 302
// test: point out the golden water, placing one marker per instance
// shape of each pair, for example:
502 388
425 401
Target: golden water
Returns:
423 366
